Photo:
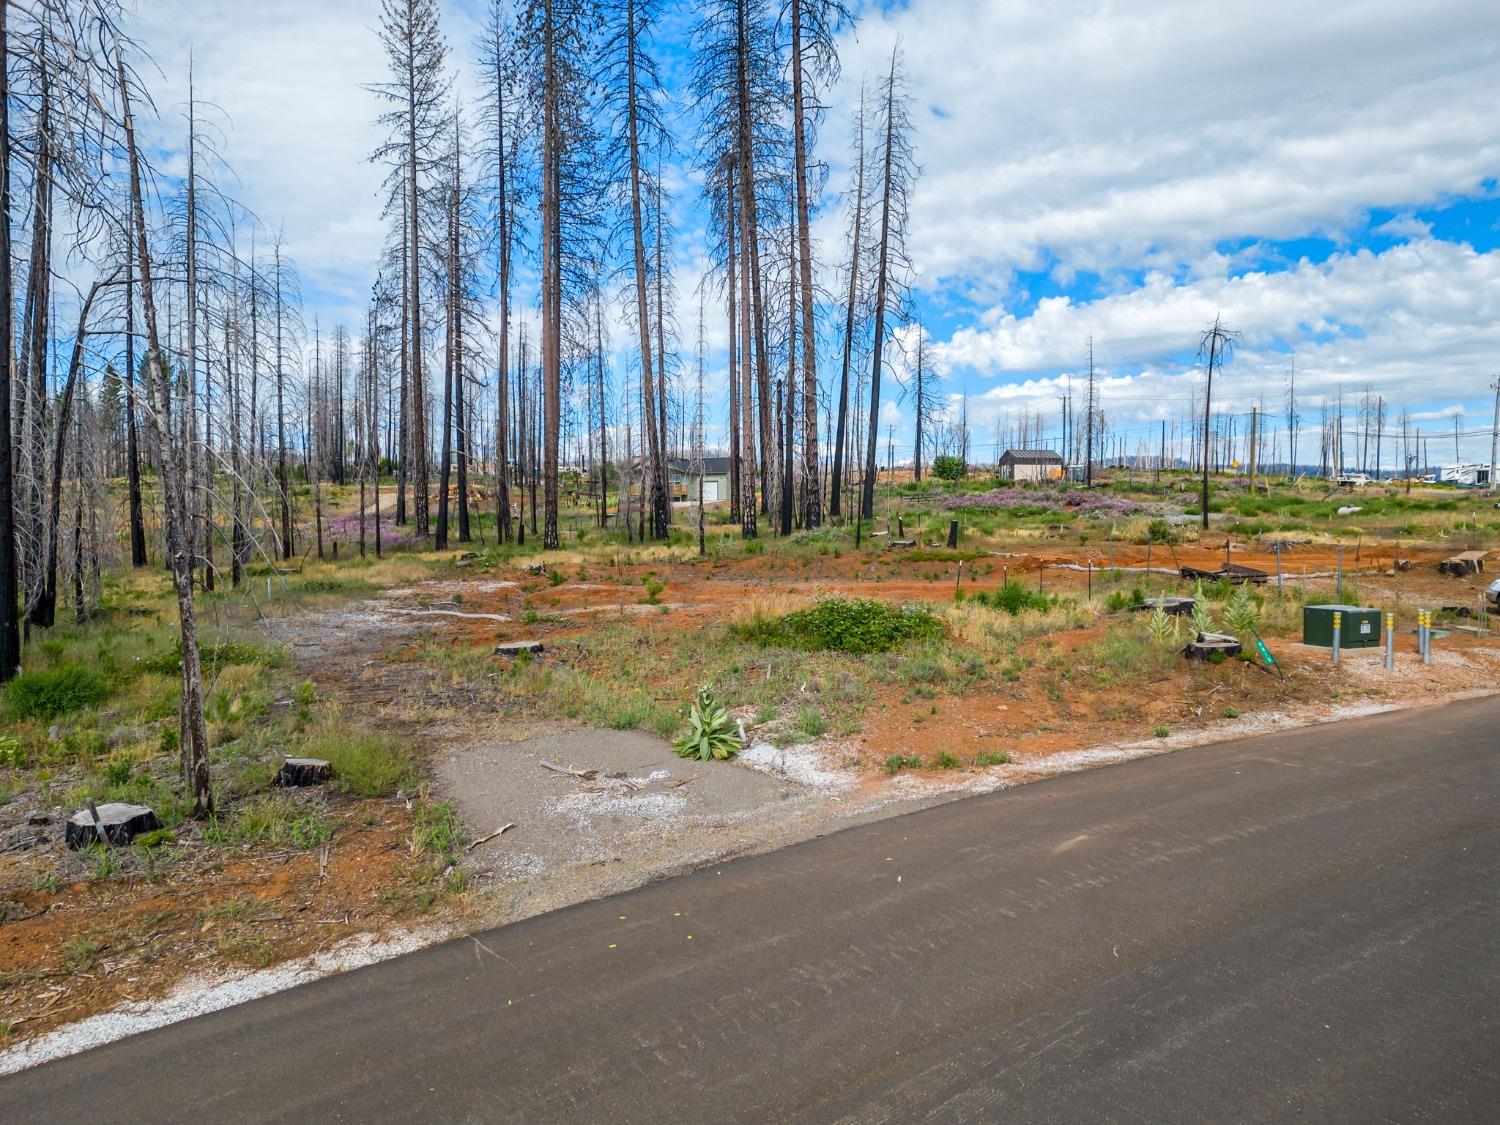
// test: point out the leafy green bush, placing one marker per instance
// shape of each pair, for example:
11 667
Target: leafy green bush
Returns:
49 692
1119 600
948 467
711 732
898 762
1160 531
1014 597
853 625
992 758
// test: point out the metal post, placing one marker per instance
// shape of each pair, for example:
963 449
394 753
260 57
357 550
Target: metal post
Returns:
1390 639
1338 628
1338 582
1091 579
1427 639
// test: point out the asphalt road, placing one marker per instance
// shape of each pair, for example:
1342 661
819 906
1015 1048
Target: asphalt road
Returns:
1297 927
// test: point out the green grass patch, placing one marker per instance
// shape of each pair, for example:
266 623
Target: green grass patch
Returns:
365 763
49 692
274 820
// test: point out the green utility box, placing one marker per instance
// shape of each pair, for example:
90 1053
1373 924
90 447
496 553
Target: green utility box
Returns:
1359 627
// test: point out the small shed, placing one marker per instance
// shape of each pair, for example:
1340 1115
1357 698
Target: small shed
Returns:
1031 465
683 475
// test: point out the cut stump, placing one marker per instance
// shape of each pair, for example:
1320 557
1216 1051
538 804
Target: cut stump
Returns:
1172 605
121 822
1207 644
516 648
296 772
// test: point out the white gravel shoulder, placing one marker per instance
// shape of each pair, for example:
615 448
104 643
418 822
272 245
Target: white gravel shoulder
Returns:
200 995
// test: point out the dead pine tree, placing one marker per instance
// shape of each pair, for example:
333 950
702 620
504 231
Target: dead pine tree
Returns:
283 477
853 313
192 731
631 97
1215 348
499 152
417 92
897 172
557 36
814 62
919 389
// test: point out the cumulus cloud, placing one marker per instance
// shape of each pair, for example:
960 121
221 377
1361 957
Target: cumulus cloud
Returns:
1415 324
1095 136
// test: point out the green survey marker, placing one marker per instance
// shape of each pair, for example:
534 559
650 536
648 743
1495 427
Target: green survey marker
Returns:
1265 654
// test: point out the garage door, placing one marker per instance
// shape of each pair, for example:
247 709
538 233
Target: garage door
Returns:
710 492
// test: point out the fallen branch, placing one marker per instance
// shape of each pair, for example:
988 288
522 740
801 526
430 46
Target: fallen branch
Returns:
486 839
587 775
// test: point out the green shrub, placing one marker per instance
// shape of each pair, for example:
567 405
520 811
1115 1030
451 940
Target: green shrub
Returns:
992 758
1161 730
946 761
1120 600
898 762
1160 531
49 692
853 625
948 467
1013 598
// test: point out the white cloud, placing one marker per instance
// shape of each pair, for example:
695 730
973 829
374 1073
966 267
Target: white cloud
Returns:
1100 136
1418 324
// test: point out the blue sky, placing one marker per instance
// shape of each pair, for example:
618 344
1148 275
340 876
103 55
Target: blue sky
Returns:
1323 176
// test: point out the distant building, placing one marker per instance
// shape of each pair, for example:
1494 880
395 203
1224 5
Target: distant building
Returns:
1030 465
684 480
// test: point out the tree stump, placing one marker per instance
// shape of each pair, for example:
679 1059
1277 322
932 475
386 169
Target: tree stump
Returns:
122 823
1171 604
297 772
516 648
1206 645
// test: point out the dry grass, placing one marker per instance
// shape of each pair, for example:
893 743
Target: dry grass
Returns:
981 627
762 609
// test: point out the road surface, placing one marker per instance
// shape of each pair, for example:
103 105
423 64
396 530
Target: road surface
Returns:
1304 926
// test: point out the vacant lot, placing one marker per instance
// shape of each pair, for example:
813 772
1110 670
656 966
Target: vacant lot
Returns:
866 679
